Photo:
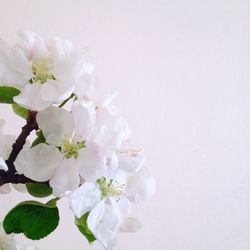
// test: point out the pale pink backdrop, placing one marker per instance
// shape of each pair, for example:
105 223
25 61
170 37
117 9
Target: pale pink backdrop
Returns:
182 70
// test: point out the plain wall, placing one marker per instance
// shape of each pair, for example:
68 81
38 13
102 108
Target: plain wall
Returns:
182 70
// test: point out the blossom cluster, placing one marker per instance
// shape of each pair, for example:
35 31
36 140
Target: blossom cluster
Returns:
81 150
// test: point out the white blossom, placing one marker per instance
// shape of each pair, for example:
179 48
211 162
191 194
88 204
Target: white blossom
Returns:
46 71
108 201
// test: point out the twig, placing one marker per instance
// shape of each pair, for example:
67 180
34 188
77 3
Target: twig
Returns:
11 176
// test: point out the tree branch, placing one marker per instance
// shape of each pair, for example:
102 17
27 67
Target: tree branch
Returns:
11 176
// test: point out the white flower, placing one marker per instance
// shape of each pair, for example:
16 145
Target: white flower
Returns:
109 202
111 128
66 156
46 72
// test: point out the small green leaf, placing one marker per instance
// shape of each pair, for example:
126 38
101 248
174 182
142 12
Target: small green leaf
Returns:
34 219
39 190
22 112
40 139
81 223
7 94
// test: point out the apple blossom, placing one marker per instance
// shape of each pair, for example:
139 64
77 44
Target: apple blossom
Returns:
46 71
80 152
108 201
65 155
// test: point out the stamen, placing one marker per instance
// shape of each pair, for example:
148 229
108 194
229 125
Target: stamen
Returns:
131 152
111 188
70 149
42 71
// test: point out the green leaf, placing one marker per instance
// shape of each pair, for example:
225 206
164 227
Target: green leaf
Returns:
22 112
7 94
40 139
34 219
39 190
81 223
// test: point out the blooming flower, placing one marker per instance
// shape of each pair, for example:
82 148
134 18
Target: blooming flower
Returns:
78 142
108 201
46 72
65 155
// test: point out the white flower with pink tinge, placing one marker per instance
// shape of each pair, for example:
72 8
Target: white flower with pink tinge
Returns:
45 71
108 201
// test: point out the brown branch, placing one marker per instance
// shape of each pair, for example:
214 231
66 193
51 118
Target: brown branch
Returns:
11 176
20 141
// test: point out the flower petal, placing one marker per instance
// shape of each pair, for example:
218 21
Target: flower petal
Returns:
91 164
3 165
20 188
103 224
6 147
38 163
140 187
84 117
5 189
84 198
130 225
56 124
129 163
30 97
55 90
32 45
66 178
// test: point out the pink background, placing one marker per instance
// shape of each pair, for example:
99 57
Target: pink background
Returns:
182 70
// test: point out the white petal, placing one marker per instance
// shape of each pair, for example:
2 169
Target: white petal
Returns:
130 163
84 82
109 117
5 189
103 224
56 124
9 244
38 163
3 165
84 117
6 142
66 178
84 198
122 207
18 61
130 225
106 138
20 188
32 45
31 98
140 187
91 164
10 77
55 90
95 216
67 61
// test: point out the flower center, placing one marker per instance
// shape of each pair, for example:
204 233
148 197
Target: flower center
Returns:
110 188
70 149
42 71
